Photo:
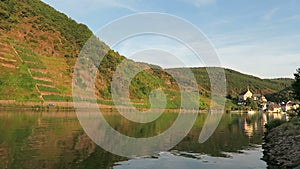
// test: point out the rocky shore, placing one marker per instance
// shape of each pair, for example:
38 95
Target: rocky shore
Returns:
282 145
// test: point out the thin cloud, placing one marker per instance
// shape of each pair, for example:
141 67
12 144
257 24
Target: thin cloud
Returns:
112 4
264 58
90 5
199 3
292 18
270 14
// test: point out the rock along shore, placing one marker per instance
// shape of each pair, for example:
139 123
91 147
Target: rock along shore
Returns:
282 146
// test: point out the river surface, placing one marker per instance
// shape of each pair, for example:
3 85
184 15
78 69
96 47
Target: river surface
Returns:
56 140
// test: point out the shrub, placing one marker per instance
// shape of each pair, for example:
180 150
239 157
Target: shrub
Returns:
273 124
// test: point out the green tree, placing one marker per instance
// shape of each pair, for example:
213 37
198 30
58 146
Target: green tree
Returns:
296 85
251 103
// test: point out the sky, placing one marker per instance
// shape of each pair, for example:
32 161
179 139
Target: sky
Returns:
256 37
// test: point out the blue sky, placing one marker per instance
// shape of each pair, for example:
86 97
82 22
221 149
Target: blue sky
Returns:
256 37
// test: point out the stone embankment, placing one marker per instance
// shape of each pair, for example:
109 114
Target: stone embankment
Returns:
282 146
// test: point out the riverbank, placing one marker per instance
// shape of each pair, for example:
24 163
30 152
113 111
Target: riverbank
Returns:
69 106
282 145
12 103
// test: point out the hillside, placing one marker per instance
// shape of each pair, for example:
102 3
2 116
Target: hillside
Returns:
39 47
238 82
38 50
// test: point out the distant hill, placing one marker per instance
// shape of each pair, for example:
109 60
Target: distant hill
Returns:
39 47
238 82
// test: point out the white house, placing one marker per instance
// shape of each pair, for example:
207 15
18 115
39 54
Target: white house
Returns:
245 95
248 94
259 97
263 106
289 106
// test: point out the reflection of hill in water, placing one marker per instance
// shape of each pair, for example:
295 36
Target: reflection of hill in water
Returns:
48 140
56 140
230 136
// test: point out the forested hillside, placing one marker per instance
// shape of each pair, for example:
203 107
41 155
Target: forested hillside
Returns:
39 47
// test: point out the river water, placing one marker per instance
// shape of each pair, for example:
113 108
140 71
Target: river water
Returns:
54 140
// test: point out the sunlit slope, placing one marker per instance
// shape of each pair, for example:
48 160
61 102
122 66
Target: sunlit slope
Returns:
39 47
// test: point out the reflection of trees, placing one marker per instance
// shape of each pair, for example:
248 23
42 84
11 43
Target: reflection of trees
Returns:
253 126
35 141
99 159
14 129
229 136
57 140
139 130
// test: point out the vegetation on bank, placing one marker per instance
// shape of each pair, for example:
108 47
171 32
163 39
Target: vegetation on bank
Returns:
293 114
273 124
296 85
296 91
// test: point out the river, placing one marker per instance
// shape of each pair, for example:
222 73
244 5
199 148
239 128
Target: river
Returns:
54 140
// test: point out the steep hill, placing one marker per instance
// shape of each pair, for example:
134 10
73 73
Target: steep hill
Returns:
39 47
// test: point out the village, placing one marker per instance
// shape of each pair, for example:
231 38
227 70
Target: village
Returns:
264 105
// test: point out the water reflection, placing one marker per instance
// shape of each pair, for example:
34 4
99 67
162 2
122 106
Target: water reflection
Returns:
230 135
56 140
